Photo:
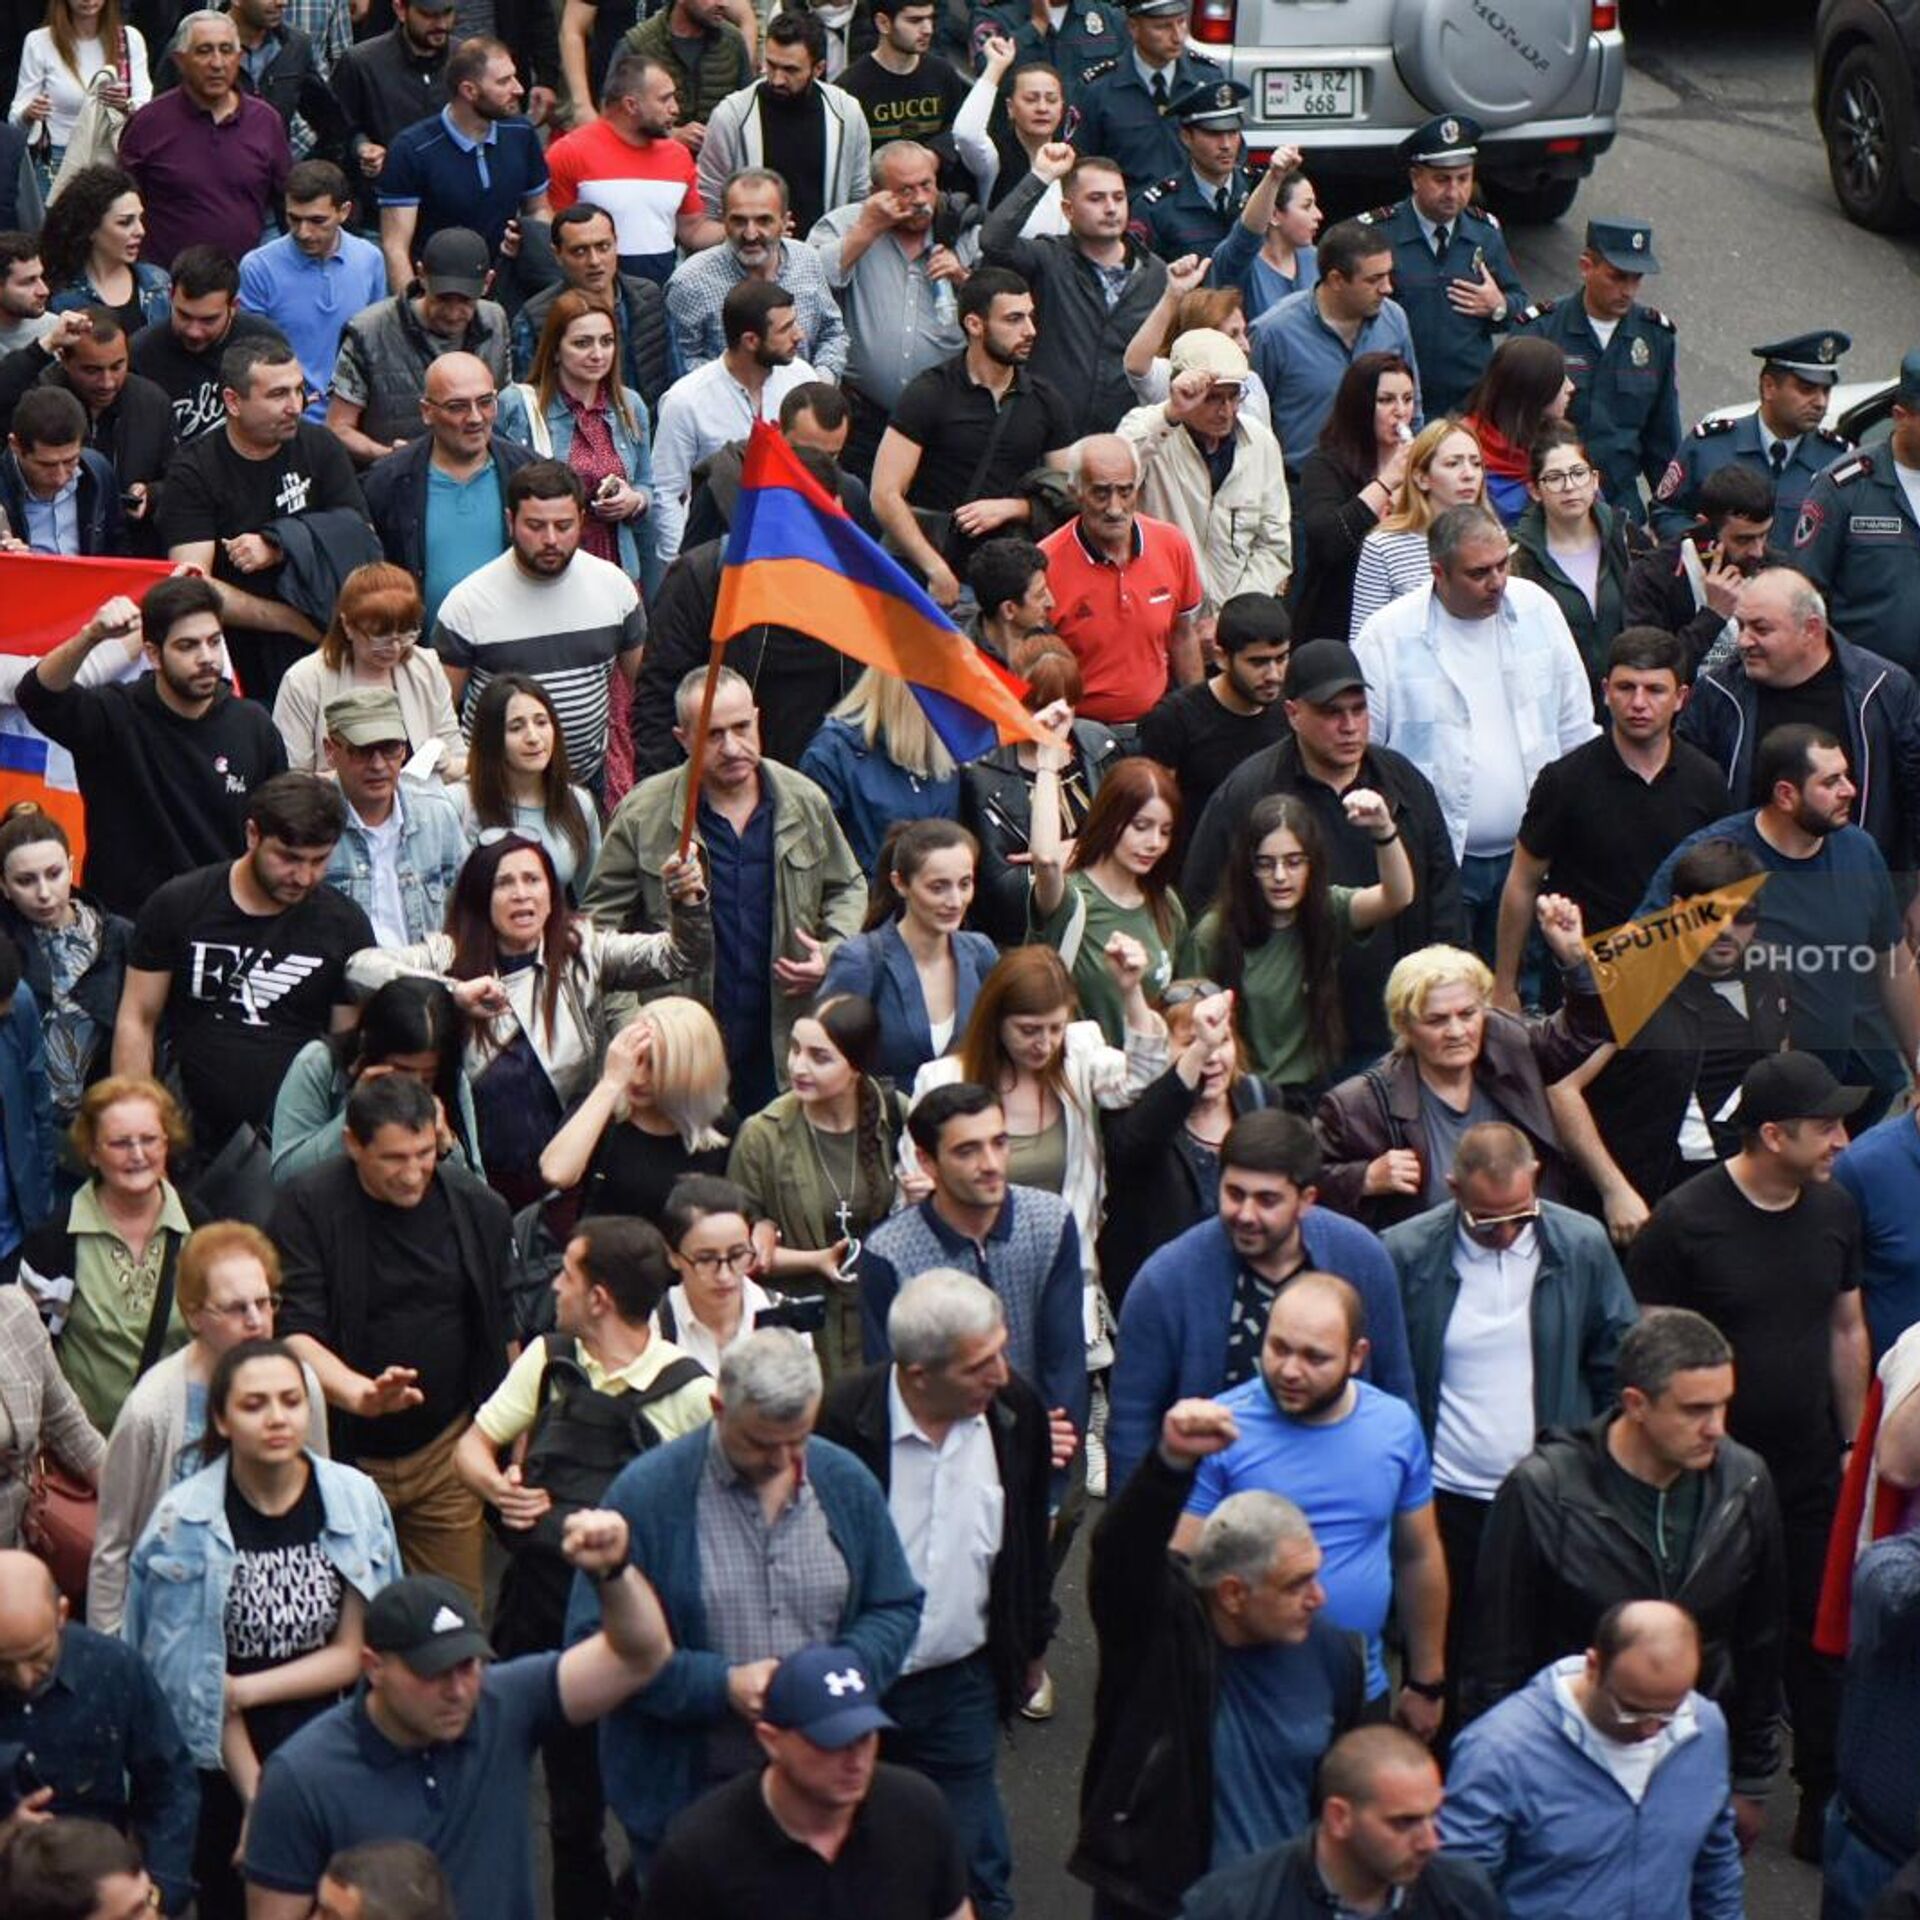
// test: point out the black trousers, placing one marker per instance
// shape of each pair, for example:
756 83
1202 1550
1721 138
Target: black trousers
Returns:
1461 1521
576 1822
1812 1679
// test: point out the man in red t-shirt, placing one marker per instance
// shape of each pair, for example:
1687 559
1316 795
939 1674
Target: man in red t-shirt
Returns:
1125 589
628 162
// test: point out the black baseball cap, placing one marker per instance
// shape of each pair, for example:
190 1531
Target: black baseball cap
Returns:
1319 669
456 260
429 1622
1793 1086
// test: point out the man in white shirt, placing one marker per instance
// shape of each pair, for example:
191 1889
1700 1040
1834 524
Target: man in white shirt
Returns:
961 1445
1515 1312
720 402
1477 680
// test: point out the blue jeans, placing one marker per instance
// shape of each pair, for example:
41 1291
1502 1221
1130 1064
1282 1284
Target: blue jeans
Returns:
1483 878
950 1732
1852 1869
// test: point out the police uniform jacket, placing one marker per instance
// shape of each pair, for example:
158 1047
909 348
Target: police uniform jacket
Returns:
1120 121
1626 402
1090 38
1714 444
1856 538
1454 348
1178 216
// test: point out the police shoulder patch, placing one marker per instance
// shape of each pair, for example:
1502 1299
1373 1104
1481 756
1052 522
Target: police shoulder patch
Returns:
1831 438
1848 471
1671 481
1658 318
1482 213
1806 529
1161 188
1708 428
1537 311
1098 71
1201 60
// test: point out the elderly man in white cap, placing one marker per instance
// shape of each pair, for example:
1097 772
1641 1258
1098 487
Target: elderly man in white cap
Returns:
1215 473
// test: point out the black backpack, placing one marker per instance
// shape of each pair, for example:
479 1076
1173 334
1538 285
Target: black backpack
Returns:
580 1440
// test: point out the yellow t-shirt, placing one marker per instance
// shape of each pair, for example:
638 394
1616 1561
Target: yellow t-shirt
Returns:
511 1408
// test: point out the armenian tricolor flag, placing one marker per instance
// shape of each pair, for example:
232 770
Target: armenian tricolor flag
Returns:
48 600
795 559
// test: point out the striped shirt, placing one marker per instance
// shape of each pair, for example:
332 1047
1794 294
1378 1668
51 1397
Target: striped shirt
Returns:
564 632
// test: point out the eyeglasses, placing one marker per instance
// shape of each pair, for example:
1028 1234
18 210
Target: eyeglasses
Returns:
1639 1716
1265 866
709 1265
1487 1222
409 638
1565 478
466 409
492 836
380 750
1183 993
135 1143
242 1310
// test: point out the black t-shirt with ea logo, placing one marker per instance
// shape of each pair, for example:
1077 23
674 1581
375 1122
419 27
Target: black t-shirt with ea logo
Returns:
249 990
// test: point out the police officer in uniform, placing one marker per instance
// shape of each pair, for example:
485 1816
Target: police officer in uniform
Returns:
1091 36
1857 536
1784 440
1620 358
1127 107
1452 273
1195 210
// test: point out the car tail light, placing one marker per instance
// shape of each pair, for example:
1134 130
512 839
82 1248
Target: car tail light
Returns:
1606 16
1565 146
1213 23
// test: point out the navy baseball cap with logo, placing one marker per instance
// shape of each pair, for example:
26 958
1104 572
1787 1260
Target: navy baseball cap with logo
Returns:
825 1695
1814 357
1447 140
1625 244
428 1622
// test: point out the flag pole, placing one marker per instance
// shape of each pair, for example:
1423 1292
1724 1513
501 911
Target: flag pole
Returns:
697 746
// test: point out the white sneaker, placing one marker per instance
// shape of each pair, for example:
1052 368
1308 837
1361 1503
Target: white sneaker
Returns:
1096 1464
1040 1705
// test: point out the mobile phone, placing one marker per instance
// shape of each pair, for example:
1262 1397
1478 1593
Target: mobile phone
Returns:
607 487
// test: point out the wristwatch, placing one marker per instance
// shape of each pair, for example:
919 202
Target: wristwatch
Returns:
1426 1689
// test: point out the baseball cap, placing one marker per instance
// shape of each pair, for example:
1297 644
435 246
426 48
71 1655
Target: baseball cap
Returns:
1908 391
456 260
428 1622
1207 350
1320 669
1793 1086
825 1695
365 716
1626 245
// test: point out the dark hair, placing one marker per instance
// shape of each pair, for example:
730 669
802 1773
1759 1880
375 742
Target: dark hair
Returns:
1350 1767
1735 492
103 325
627 1256
791 29
627 72
213 1443
52 1870
984 286
750 306
24 824
488 795
169 601
1001 570
469 61
318 180
392 1100
49 417
821 398
200 270
581 214
67 237
1709 865
16 249
1088 163
1549 438
1130 786
476 947
11 966
298 810
1348 439
957 1100
544 480
1346 243
1787 754
852 1024
1246 921
1025 981
409 1015
395 1879
1274 1141
1253 620
905 849
241 357
1648 650
1522 380
695 1197
1665 1341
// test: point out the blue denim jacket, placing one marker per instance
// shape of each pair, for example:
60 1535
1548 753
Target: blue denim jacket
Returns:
433 843
181 1571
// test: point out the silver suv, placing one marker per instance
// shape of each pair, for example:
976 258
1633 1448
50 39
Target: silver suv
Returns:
1348 80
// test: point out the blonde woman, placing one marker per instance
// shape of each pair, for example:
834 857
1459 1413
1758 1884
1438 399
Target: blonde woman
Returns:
1388 1133
1444 469
373 641
658 1110
878 759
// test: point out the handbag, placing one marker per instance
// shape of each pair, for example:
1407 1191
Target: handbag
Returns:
237 1183
63 1511
936 523
97 127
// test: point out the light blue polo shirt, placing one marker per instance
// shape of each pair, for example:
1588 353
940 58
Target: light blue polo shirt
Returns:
311 301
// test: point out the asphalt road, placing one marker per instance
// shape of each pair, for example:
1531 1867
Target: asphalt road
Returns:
1719 150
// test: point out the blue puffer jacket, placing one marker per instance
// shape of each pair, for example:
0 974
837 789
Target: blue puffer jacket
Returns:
183 1567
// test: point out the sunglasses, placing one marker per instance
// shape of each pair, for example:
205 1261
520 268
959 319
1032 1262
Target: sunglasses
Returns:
1183 993
1487 1222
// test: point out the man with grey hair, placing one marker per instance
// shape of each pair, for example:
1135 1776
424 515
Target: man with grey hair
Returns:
1792 666
1221 1683
785 884
961 1444
1477 680
759 1539
209 159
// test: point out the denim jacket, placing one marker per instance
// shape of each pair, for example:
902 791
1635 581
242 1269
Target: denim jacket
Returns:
433 843
182 1569
636 455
